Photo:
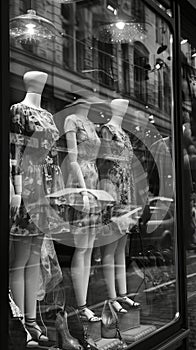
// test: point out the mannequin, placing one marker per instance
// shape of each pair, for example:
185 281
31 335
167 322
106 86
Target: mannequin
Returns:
115 171
83 145
28 119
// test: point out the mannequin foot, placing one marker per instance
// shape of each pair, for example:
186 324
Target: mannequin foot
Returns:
88 315
36 332
129 301
117 307
30 343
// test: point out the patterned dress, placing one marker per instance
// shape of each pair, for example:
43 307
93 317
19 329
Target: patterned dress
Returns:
88 144
116 176
32 144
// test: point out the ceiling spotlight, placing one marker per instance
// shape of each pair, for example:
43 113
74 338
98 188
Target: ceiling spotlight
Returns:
159 64
151 119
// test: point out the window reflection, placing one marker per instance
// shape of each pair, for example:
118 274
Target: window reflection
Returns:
111 188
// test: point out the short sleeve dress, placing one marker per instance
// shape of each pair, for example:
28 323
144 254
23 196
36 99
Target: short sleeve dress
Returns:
32 144
88 144
116 175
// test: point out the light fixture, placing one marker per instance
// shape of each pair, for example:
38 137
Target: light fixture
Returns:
151 119
120 32
31 29
183 41
159 64
119 27
112 9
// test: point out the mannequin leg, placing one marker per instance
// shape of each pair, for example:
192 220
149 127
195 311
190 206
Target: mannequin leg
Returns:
80 272
121 272
21 250
79 279
108 252
31 288
120 265
32 277
108 255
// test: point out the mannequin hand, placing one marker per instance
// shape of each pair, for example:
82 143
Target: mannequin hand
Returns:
15 205
86 204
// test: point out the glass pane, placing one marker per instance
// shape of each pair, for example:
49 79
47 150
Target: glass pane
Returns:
92 183
188 70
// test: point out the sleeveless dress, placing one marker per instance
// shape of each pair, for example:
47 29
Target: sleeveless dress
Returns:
88 144
116 177
32 144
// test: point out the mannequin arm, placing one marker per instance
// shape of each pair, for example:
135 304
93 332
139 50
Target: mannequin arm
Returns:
75 167
106 143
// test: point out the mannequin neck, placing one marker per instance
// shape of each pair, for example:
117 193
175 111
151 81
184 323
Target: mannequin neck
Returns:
83 109
116 120
32 99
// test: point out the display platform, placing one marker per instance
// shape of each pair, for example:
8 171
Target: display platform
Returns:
137 333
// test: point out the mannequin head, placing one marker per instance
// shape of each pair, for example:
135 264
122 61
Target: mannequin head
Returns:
35 81
119 107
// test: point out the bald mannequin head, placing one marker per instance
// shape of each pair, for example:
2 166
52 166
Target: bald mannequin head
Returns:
119 106
35 81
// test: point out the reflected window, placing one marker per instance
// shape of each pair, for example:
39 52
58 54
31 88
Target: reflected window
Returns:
141 59
125 68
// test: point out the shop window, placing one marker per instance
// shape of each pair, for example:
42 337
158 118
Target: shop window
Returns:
105 64
93 152
69 36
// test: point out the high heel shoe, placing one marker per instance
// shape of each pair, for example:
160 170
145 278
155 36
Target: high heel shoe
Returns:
64 339
30 342
36 333
129 302
88 315
117 307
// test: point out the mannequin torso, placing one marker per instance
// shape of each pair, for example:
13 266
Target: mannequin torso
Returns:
116 177
33 136
115 157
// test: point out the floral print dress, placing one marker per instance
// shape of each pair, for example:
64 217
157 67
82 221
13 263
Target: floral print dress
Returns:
32 145
88 144
116 174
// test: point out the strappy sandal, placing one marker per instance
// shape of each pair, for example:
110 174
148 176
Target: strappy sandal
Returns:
36 333
30 342
129 302
117 307
88 315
